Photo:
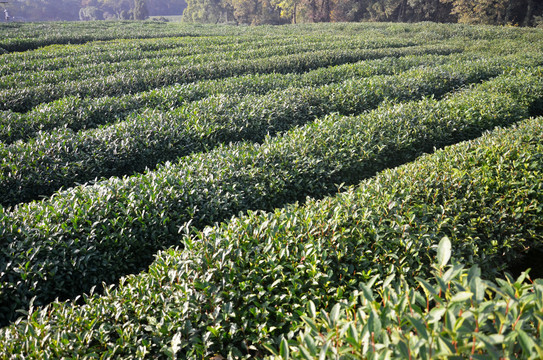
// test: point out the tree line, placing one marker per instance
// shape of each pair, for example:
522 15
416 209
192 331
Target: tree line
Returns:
47 10
256 12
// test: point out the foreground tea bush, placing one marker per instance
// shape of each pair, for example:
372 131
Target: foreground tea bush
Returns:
469 317
62 159
82 113
237 287
90 234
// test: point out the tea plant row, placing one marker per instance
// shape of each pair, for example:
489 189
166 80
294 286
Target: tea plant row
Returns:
19 37
245 286
89 234
63 158
187 52
138 80
158 60
81 113
57 57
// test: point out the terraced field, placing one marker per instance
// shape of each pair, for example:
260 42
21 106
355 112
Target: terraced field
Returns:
332 190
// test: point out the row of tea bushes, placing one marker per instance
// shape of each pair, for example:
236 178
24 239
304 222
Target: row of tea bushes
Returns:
21 37
27 36
93 234
138 80
471 318
82 113
250 51
63 158
235 288
58 57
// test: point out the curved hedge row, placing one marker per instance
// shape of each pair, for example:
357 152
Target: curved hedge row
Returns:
81 113
26 36
87 235
21 37
138 80
58 57
63 158
251 51
243 285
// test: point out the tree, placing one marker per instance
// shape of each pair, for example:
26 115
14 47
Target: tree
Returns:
140 10
288 8
245 11
430 10
90 13
346 10
529 13
491 12
119 9
386 10
205 11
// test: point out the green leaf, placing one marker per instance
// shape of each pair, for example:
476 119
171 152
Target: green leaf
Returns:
436 314
324 351
284 350
479 288
461 296
176 342
368 293
443 252
374 322
311 309
388 280
306 353
334 314
310 343
312 324
429 289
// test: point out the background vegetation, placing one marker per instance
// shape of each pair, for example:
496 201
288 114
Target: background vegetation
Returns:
496 12
255 12
56 10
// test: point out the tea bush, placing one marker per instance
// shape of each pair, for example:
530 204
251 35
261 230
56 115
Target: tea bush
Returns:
56 57
63 158
81 113
253 120
138 80
456 314
237 289
90 234
185 57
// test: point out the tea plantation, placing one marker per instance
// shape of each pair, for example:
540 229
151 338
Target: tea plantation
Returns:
367 190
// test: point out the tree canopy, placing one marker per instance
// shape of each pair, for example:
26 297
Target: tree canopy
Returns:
46 10
496 12
255 12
